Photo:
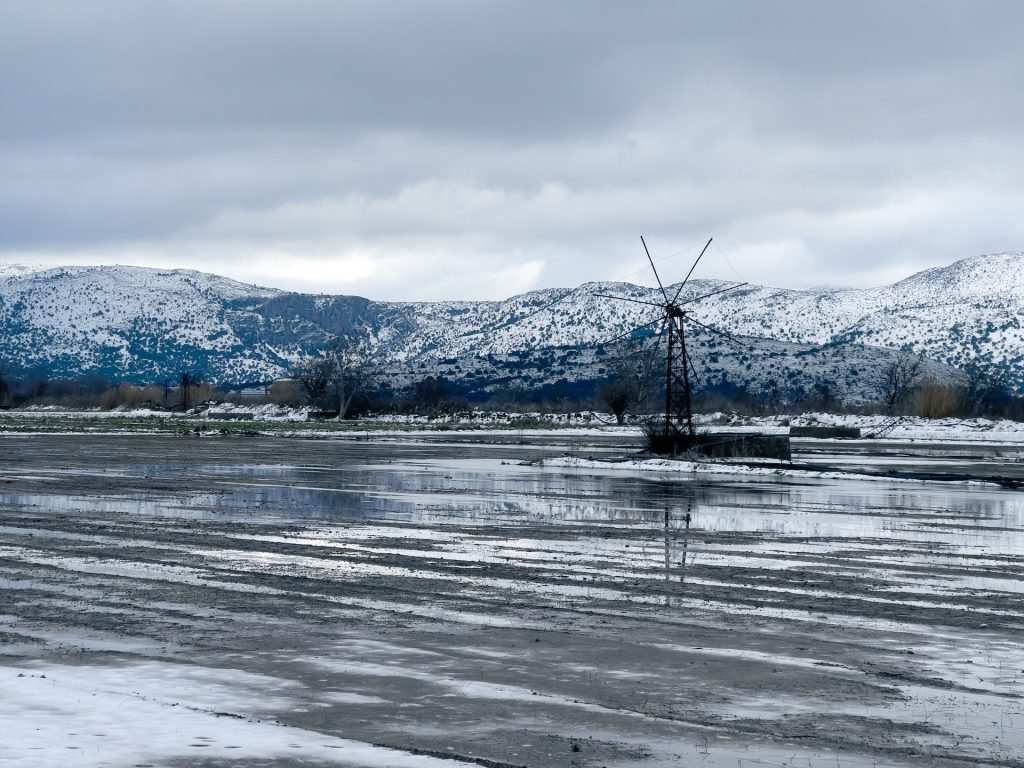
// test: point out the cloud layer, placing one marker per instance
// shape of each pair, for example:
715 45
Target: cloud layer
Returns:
405 150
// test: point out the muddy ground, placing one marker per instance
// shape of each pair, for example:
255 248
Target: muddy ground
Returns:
437 596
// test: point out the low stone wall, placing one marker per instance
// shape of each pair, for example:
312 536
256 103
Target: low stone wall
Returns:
826 433
746 446
723 445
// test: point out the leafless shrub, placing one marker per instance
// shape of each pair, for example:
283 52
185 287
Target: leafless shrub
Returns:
618 394
936 400
898 379
288 392
131 396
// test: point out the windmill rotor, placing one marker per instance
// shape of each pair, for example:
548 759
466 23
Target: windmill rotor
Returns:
695 263
677 426
626 298
632 331
715 293
650 360
693 368
654 268
707 327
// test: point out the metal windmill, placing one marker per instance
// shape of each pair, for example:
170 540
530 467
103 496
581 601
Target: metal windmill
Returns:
672 318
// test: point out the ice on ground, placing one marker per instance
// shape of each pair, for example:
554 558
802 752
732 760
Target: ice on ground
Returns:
151 712
706 468
892 428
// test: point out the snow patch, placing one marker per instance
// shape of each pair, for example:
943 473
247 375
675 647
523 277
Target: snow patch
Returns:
84 716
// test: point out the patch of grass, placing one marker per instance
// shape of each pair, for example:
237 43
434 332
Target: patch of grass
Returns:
531 422
79 423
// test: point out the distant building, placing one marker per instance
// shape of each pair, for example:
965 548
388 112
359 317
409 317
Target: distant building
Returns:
254 394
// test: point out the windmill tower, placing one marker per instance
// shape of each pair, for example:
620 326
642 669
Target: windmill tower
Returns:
676 429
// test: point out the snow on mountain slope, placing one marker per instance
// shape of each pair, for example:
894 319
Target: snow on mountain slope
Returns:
17 270
138 323
111 318
972 309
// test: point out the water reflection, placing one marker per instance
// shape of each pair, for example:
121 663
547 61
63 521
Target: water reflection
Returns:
925 538
748 525
479 494
487 492
676 543
125 505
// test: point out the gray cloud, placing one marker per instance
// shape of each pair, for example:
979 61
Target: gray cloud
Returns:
474 149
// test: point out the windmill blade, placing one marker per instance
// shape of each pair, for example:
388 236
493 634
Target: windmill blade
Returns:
715 293
546 307
631 331
714 330
692 367
623 298
656 275
497 326
687 278
650 360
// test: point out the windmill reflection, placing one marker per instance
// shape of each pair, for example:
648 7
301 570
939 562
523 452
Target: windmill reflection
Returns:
677 542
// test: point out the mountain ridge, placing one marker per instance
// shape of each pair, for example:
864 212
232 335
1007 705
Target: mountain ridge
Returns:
140 323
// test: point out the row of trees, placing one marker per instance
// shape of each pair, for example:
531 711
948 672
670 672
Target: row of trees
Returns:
340 382
100 392
904 388
901 388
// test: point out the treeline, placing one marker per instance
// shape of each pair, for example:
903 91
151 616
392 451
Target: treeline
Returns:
930 398
900 389
431 395
311 386
92 392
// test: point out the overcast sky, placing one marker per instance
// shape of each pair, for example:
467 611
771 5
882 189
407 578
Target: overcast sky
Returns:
477 149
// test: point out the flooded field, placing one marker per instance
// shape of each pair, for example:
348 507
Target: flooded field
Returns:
440 601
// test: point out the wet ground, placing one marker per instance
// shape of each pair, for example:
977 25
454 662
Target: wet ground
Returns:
960 458
438 596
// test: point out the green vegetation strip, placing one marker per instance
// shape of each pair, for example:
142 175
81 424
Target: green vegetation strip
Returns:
191 426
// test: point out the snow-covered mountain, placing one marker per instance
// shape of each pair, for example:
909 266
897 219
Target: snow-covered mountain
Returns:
146 324
970 310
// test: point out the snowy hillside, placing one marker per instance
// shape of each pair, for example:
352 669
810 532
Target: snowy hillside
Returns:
973 309
146 324
124 321
19 270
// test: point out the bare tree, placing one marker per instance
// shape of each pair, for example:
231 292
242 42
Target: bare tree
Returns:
5 391
350 375
314 373
333 378
621 390
429 394
898 379
618 394
988 390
